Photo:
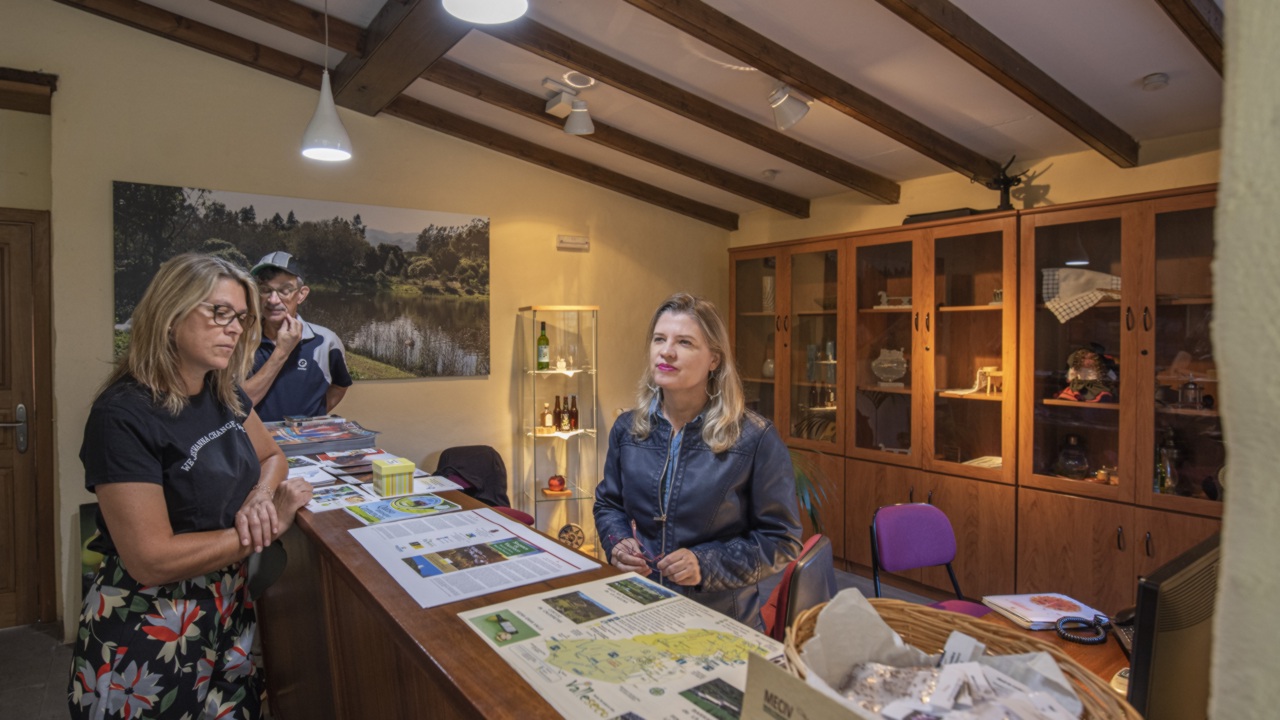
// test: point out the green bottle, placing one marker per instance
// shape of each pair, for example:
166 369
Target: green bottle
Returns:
544 350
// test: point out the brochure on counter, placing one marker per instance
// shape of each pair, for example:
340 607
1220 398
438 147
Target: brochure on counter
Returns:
1039 611
624 647
301 466
338 496
405 507
458 555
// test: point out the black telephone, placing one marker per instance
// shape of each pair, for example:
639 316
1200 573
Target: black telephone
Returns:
1123 624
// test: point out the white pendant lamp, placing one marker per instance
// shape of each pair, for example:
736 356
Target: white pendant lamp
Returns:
579 120
486 12
326 139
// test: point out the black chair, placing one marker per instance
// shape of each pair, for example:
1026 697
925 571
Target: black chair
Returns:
482 474
808 580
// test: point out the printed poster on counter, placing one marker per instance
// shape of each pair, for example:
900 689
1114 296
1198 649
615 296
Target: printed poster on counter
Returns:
625 647
458 555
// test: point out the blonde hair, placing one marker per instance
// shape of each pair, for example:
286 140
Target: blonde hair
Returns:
181 284
722 418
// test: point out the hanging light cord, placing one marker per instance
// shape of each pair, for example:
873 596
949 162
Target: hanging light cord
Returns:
326 35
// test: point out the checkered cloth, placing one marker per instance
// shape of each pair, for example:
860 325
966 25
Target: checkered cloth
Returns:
1070 291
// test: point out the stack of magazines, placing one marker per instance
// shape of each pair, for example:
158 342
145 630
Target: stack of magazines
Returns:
327 433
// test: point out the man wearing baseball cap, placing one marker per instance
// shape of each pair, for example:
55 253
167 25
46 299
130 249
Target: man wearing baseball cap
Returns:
300 368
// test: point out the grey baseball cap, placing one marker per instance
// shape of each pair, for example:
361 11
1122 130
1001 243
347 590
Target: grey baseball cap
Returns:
280 260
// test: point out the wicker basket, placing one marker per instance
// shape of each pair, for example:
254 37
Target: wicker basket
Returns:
928 629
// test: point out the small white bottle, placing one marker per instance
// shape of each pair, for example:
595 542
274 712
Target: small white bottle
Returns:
547 420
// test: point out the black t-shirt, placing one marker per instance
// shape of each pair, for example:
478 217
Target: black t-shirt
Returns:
202 458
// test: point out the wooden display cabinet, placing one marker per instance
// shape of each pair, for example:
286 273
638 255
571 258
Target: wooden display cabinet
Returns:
1095 550
1156 330
936 295
786 329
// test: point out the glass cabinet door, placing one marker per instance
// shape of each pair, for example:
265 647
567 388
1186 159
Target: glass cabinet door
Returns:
1186 450
885 319
814 377
1075 344
968 413
756 327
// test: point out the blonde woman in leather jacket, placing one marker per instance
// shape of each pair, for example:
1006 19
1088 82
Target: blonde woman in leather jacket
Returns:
698 493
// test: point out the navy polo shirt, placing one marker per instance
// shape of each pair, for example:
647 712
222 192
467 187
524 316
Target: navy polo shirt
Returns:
317 362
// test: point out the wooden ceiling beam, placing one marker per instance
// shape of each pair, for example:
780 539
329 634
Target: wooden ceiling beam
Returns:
1201 22
547 43
416 111
469 82
26 91
216 42
197 35
302 20
722 32
399 45
964 36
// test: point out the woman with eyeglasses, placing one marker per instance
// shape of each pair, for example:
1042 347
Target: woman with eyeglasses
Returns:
189 485
698 492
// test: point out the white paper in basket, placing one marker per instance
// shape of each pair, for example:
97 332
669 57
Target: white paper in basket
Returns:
832 651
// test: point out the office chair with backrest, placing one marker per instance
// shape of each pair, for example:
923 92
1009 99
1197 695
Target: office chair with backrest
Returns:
917 535
480 471
808 580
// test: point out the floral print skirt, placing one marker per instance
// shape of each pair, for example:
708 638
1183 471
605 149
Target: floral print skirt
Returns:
172 651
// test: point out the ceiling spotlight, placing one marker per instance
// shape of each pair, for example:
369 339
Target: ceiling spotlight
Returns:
486 12
788 106
579 120
1155 81
325 138
770 174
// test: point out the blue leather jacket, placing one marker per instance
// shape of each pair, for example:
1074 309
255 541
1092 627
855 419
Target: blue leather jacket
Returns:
736 510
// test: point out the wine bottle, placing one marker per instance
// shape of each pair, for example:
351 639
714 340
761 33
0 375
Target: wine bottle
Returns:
573 412
544 350
558 417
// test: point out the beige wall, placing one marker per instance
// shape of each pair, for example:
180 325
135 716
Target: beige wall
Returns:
1248 332
1171 163
24 160
134 107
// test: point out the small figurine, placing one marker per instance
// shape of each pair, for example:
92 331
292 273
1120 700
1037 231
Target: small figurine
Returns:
1091 376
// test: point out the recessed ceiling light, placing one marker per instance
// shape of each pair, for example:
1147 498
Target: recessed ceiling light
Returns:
1155 81
770 175
578 80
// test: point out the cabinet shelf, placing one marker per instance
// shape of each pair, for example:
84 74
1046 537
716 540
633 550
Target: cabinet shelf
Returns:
1193 412
563 435
763 381
893 390
569 372
993 397
815 313
903 309
758 314
1082 405
970 308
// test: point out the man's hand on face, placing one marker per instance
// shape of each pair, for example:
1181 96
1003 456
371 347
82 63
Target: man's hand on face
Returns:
289 334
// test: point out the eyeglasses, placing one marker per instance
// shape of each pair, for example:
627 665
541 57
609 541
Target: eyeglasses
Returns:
285 292
223 315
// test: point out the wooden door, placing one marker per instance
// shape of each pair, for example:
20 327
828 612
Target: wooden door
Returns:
982 516
1077 546
1162 536
868 486
26 506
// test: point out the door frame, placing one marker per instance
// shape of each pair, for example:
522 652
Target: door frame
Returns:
45 605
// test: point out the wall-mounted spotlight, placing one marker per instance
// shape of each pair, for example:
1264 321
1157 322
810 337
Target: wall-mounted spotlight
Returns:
564 103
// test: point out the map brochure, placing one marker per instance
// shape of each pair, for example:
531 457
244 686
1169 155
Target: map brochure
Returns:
301 466
443 558
338 496
405 507
1039 611
625 647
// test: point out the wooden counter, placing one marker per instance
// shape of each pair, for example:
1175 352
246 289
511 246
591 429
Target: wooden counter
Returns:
341 638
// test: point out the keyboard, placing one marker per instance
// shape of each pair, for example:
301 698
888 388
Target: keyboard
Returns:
1124 633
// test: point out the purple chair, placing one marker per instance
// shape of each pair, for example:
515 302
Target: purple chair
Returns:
917 535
